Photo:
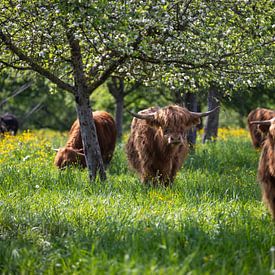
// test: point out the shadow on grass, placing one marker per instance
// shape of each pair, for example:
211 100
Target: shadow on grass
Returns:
183 247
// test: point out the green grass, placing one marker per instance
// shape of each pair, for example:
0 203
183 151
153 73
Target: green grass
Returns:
211 221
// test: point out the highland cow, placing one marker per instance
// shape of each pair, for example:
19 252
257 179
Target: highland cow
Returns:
9 123
266 168
73 152
158 145
258 114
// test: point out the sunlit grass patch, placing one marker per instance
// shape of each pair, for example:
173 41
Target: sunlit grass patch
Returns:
23 148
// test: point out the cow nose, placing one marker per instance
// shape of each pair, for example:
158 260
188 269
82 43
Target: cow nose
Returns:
175 139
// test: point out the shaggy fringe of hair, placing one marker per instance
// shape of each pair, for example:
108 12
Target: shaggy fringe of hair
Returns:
257 136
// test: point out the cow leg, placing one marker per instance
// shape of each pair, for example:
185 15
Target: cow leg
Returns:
271 200
268 196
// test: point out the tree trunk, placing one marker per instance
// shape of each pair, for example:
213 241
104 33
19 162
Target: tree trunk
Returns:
192 105
87 126
119 116
188 100
212 122
89 137
116 89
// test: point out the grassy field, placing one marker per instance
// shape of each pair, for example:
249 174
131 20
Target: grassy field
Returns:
211 221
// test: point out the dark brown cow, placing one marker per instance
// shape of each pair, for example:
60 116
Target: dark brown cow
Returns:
258 114
9 123
266 169
157 145
73 151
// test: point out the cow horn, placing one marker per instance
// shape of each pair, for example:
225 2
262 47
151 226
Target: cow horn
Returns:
56 150
142 116
205 113
261 122
81 154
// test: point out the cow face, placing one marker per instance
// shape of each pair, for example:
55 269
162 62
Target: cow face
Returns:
272 128
267 127
173 122
68 156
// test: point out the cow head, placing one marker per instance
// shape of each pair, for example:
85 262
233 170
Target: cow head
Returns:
172 121
69 156
267 127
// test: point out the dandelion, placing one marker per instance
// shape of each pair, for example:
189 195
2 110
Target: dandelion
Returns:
225 133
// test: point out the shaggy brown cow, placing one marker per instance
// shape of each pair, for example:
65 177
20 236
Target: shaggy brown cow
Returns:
73 151
266 169
157 145
258 114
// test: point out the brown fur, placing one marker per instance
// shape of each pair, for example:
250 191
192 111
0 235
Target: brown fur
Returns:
258 136
69 156
106 133
148 150
266 169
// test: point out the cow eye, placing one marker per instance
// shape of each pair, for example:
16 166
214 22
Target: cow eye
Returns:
166 131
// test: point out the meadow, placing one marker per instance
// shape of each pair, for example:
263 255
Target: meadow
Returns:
211 221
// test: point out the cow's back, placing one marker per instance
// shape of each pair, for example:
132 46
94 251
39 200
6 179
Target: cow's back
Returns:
106 132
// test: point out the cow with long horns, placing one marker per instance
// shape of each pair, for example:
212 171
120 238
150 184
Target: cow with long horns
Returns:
73 152
157 145
257 136
266 168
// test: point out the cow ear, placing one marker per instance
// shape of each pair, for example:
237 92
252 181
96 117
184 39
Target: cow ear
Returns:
264 128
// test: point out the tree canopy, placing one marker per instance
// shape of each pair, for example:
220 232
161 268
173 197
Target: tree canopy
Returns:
179 42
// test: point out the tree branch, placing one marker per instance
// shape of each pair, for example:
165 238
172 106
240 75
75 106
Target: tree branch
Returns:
14 66
35 66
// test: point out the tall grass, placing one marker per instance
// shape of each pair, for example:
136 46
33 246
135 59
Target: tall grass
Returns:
211 221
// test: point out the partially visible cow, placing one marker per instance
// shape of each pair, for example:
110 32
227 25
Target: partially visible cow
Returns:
157 145
258 114
9 123
73 152
266 168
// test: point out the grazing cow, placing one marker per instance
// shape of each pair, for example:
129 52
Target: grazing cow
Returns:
157 145
266 169
258 114
73 151
9 123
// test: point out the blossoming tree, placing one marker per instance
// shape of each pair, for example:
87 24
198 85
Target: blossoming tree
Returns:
77 45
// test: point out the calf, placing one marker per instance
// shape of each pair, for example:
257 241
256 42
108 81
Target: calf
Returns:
266 168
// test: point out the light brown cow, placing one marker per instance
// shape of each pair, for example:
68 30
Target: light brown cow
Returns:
73 152
258 114
266 169
157 145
